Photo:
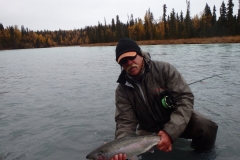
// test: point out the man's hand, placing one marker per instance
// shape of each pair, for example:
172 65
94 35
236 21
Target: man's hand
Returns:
119 157
165 143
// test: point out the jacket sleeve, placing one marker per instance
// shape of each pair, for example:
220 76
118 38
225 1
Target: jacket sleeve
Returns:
182 96
125 118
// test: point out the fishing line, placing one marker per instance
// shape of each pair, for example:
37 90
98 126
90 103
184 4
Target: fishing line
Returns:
205 79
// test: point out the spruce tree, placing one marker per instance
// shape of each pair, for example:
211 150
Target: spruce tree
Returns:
230 19
222 19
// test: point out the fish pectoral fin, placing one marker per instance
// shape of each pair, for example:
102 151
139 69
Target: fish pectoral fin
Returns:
151 150
135 158
154 134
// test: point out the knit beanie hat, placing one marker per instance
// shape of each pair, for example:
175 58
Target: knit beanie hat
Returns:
126 45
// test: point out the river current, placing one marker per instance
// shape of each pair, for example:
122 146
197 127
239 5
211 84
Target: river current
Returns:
58 103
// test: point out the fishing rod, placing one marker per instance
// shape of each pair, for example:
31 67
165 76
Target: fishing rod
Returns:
205 78
167 102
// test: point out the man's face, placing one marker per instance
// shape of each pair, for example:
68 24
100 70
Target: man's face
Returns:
132 65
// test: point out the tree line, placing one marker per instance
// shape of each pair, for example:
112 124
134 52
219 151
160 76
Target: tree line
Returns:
173 26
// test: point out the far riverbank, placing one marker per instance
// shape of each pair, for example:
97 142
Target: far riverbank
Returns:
228 39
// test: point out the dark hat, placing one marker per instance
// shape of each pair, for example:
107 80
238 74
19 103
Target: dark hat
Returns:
126 45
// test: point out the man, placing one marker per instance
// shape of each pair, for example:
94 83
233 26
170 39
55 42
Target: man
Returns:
153 97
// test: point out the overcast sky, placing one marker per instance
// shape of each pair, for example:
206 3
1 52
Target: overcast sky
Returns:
76 14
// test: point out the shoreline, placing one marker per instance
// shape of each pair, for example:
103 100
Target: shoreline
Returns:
212 40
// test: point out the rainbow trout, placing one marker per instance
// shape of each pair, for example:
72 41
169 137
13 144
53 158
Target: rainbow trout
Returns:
131 146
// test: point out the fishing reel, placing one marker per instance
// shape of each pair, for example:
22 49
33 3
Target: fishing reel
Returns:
166 100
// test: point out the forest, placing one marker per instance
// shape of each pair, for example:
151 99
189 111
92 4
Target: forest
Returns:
173 26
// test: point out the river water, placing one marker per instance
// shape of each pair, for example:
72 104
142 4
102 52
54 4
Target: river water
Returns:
58 103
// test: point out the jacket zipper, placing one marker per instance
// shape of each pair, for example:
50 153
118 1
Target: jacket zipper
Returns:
143 97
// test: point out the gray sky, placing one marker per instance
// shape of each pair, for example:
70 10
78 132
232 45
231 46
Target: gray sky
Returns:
76 14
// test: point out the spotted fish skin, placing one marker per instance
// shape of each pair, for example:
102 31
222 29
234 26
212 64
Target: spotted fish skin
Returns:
131 146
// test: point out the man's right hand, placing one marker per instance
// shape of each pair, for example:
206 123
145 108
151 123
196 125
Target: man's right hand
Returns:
119 157
165 143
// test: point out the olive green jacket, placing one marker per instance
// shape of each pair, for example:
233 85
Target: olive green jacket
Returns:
139 107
